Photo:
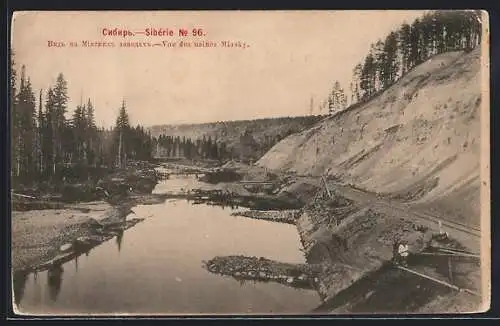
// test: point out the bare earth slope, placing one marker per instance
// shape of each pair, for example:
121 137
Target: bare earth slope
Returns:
417 141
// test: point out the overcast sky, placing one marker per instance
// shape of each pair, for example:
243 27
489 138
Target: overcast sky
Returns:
292 56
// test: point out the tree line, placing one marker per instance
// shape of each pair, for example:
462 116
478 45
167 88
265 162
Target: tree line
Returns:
207 147
389 59
45 142
200 148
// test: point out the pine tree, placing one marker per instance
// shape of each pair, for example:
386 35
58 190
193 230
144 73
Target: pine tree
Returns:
337 100
26 124
40 135
14 120
475 20
174 146
405 47
91 136
208 148
414 43
49 141
428 36
62 143
380 59
182 147
433 33
199 148
367 83
90 115
79 132
390 65
355 85
204 147
122 129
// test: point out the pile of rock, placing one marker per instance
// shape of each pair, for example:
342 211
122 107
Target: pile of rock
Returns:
262 269
282 216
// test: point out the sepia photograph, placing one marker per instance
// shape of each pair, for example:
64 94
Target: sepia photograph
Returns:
185 163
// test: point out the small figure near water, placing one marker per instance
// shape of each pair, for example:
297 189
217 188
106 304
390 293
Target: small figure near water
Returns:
400 253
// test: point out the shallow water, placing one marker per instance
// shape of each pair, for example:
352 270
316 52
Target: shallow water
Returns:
156 267
178 184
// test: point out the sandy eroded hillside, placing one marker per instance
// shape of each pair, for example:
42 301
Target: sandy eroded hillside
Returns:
417 141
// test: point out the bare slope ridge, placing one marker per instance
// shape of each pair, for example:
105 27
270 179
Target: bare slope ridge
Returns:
230 131
417 141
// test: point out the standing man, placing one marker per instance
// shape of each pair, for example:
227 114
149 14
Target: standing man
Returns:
400 252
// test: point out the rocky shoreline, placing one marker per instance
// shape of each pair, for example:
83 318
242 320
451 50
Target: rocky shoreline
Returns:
265 270
278 216
48 232
100 232
343 240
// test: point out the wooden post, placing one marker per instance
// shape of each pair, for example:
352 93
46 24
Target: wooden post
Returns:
326 186
439 281
444 254
450 272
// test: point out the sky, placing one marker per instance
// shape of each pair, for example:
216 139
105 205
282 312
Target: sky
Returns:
291 57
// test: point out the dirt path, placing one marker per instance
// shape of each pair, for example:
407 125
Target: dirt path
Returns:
370 223
468 235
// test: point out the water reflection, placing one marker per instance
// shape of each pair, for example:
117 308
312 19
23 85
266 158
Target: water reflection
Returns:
243 281
19 282
54 281
222 205
119 239
101 285
54 275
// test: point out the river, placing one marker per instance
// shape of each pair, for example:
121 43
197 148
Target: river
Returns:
156 267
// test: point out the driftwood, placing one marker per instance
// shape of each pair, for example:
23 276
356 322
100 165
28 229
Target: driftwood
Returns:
24 196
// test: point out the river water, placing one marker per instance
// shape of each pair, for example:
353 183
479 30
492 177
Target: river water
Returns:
156 267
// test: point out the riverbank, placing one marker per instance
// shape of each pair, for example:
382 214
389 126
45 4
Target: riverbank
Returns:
351 237
39 235
46 231
354 238
345 241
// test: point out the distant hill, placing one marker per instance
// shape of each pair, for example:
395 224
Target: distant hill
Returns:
266 132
